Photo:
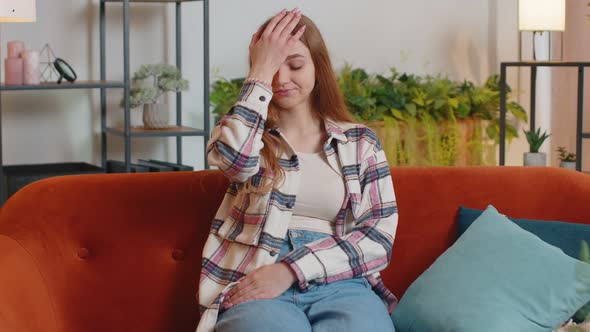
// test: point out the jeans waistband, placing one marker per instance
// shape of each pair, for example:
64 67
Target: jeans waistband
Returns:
296 239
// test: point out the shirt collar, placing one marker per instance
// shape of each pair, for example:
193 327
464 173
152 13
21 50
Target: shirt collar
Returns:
332 129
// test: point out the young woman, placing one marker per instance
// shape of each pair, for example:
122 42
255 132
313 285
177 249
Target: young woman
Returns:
310 216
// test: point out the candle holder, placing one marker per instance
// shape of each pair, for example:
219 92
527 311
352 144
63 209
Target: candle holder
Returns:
48 71
31 73
16 11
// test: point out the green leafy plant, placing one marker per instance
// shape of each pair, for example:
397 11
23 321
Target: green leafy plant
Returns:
566 156
374 97
163 78
535 139
581 320
224 94
421 120
584 312
584 252
433 113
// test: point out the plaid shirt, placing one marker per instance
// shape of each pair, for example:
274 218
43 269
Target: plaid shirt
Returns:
249 229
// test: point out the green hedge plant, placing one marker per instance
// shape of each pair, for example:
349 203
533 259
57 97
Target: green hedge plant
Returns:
421 120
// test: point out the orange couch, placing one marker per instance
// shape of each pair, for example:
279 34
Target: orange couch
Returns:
121 252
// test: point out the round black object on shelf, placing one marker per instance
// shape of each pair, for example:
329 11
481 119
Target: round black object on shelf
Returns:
65 70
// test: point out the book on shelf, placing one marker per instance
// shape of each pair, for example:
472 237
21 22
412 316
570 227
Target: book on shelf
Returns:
116 166
142 165
154 167
175 166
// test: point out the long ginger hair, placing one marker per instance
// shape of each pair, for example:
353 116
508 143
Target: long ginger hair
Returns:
326 98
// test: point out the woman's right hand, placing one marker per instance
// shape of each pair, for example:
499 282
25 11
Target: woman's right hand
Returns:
270 47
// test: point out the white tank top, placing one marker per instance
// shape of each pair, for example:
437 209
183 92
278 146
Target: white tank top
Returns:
321 194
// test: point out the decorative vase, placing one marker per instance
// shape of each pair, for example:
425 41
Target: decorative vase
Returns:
155 116
535 159
568 165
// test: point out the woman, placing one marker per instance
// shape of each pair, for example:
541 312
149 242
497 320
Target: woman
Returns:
310 215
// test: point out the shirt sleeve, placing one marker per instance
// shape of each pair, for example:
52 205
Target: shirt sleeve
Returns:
367 248
236 141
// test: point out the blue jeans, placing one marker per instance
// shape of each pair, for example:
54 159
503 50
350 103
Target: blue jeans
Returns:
345 305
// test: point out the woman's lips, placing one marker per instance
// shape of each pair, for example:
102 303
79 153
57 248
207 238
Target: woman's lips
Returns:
285 92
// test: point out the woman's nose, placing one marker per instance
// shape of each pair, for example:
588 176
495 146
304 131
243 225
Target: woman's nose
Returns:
282 76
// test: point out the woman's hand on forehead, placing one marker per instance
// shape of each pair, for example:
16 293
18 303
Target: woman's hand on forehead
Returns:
271 44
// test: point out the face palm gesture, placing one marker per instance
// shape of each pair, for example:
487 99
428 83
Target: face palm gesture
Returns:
270 45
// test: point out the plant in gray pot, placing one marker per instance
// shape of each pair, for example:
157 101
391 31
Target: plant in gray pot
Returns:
535 139
162 78
567 160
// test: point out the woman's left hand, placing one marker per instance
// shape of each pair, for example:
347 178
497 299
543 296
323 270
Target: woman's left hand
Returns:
266 282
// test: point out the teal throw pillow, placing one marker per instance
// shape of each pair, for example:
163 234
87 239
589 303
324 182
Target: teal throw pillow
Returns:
496 277
567 236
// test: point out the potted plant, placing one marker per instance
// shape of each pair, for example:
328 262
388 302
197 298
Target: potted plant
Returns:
567 160
162 79
535 139
420 120
428 120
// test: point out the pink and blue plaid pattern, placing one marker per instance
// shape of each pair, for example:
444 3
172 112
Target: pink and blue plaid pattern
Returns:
249 229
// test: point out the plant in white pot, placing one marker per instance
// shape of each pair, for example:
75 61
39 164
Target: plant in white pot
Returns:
567 160
161 79
535 139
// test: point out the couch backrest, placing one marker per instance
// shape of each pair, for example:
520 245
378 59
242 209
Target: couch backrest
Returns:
429 198
123 250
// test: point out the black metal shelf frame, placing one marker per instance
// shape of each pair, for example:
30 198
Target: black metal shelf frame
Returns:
103 84
127 132
580 135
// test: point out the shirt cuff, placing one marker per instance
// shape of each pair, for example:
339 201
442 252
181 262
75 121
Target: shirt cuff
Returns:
255 97
307 267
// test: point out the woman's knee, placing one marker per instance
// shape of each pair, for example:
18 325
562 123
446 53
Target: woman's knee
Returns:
353 307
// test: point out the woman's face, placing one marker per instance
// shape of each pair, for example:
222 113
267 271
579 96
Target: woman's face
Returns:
295 79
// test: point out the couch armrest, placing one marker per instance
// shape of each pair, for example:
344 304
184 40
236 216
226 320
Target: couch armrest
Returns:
25 304
106 252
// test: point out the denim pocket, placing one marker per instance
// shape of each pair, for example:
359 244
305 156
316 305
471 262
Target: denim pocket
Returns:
360 281
299 238
285 249
366 282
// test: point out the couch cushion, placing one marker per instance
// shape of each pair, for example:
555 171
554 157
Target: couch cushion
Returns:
496 277
566 236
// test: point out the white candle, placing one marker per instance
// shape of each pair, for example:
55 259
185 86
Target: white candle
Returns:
31 71
15 48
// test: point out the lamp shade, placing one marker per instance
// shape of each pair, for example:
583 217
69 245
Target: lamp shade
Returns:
541 15
18 11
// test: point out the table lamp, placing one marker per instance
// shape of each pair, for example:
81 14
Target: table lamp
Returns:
17 11
541 15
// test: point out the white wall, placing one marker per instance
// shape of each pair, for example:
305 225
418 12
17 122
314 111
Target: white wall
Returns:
419 36
565 84
505 20
464 39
